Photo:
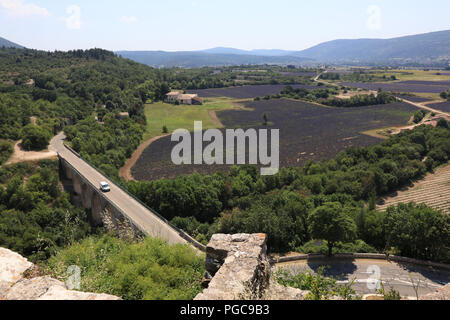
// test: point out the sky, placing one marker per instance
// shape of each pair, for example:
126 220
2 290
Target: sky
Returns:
184 25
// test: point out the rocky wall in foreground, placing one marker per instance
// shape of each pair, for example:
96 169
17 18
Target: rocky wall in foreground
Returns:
237 268
15 286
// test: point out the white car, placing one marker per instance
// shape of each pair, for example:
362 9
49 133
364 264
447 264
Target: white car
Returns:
104 187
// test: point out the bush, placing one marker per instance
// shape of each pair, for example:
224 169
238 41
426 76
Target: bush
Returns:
321 247
35 137
322 288
147 270
6 150
442 123
419 115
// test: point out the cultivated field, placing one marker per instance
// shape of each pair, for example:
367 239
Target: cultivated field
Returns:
433 191
443 106
414 98
245 92
299 74
405 86
307 132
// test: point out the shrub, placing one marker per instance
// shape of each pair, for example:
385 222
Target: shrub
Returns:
322 288
6 150
35 137
146 270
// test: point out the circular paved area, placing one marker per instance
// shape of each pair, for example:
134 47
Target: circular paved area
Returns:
366 274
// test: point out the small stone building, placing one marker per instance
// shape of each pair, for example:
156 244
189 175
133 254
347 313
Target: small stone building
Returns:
189 99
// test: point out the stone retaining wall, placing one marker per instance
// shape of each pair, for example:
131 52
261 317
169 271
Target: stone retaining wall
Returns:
361 256
238 269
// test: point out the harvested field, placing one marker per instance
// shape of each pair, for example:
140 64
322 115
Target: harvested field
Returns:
413 99
405 86
307 132
427 83
433 191
245 92
299 74
443 106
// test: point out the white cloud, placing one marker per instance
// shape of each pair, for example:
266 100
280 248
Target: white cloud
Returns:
128 19
17 8
73 21
374 17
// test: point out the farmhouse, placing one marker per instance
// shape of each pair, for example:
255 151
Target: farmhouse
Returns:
174 96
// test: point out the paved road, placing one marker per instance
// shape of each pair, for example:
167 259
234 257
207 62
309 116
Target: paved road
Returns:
364 273
149 222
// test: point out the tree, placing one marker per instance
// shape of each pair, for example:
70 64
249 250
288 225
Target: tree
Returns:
328 222
35 137
161 91
164 129
265 119
442 123
418 231
5 150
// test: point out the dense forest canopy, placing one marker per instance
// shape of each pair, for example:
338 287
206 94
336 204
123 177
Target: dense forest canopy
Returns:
67 90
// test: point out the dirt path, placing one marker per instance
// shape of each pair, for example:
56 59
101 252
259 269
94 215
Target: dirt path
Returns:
125 171
422 105
21 155
216 119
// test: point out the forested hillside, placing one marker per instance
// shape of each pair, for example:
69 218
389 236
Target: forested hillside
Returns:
71 89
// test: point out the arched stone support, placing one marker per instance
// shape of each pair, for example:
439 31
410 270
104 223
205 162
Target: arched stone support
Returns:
68 171
76 183
97 209
86 196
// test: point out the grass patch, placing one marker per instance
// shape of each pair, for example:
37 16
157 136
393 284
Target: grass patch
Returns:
430 75
182 116
432 96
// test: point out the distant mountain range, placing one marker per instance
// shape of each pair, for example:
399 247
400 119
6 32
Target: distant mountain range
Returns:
422 48
8 44
193 59
430 49
257 52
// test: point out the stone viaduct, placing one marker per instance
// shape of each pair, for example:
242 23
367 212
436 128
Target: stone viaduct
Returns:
118 211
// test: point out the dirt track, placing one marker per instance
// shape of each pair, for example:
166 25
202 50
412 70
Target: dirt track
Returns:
21 155
216 119
125 171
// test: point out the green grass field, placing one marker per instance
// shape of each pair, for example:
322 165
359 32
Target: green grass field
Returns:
405 75
183 116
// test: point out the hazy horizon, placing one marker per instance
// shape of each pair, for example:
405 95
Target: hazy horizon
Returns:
177 25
